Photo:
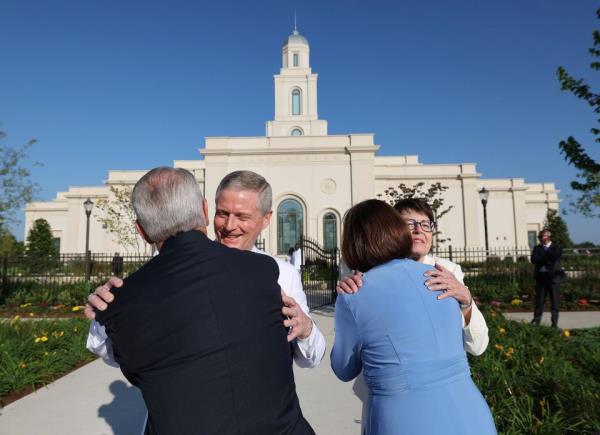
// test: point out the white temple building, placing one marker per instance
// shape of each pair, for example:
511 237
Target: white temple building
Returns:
316 177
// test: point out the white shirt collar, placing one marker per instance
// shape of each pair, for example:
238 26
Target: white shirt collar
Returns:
429 260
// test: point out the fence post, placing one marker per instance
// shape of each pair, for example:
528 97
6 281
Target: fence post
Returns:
4 276
450 252
88 265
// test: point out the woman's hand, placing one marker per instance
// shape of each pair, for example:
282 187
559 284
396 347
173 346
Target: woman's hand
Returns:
442 279
350 284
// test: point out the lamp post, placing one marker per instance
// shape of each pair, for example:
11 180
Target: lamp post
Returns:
87 205
484 195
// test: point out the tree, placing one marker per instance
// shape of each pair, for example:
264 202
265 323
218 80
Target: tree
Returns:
16 187
41 252
431 194
119 218
588 184
9 246
557 226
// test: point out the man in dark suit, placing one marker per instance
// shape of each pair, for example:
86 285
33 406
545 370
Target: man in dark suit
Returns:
205 344
117 265
548 275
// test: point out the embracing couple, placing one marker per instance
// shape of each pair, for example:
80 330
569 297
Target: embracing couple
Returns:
201 330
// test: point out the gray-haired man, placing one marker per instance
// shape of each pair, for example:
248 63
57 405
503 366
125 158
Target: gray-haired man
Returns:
243 209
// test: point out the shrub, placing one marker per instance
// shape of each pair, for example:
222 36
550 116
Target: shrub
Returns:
495 281
41 294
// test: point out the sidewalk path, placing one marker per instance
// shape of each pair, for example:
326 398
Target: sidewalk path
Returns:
566 320
97 400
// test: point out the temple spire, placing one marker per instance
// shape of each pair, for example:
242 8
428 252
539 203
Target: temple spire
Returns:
295 25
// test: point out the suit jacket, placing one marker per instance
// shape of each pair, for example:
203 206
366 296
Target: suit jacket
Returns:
199 330
548 258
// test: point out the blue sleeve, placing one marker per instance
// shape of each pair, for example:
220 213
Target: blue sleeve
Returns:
345 355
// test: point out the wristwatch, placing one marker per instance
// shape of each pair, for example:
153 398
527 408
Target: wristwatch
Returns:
465 306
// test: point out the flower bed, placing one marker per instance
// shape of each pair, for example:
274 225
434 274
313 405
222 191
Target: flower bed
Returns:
576 293
34 353
538 379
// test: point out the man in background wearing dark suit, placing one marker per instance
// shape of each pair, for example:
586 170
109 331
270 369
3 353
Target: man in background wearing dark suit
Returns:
205 345
548 274
117 265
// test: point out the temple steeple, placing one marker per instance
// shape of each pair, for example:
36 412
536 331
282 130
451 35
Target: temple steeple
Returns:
296 92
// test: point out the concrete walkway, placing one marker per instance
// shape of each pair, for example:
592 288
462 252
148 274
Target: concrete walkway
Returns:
566 320
97 400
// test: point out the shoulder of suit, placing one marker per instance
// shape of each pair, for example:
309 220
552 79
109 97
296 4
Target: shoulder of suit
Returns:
284 266
287 272
255 258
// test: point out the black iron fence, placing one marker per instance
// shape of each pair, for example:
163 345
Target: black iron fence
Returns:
53 272
506 274
502 274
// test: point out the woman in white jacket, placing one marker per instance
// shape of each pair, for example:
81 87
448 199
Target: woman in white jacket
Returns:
447 276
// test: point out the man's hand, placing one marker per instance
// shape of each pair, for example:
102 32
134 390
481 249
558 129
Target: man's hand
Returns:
300 324
350 284
101 297
442 279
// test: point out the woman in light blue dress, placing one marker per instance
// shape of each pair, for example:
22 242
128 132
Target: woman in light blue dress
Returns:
408 344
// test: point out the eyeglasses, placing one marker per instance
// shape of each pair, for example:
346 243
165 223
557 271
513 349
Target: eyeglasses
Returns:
427 226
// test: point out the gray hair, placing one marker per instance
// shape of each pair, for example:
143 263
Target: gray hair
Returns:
168 201
248 180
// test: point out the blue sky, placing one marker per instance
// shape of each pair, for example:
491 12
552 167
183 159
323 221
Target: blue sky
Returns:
134 85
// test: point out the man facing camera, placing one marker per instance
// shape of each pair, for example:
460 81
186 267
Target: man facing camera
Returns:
548 275
206 346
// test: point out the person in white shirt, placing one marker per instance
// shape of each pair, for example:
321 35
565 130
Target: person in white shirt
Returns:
243 210
297 258
447 275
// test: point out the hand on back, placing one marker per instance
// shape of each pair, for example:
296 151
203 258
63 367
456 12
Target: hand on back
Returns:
101 297
350 284
296 319
439 278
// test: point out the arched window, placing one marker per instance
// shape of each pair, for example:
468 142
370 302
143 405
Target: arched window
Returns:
296 108
296 59
329 231
296 132
290 222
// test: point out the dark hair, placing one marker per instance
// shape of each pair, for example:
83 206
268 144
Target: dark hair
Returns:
418 205
374 233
